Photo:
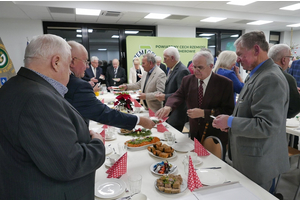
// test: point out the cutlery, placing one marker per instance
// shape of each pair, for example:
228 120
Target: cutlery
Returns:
212 116
127 197
172 170
164 140
212 168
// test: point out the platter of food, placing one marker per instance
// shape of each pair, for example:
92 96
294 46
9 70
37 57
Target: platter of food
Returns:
160 150
171 184
141 143
163 168
140 132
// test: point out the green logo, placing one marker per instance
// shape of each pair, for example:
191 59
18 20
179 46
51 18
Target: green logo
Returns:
3 59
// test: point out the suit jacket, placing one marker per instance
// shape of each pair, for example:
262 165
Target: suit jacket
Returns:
163 67
155 83
81 95
110 74
178 117
294 103
90 74
295 71
132 74
258 133
218 96
45 146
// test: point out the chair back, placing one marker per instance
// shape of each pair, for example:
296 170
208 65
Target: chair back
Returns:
213 147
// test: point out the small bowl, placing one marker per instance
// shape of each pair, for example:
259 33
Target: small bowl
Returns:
139 196
114 158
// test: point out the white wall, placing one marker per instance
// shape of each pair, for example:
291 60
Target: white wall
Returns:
14 33
175 31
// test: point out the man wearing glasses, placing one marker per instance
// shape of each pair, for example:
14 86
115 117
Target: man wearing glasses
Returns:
94 74
205 94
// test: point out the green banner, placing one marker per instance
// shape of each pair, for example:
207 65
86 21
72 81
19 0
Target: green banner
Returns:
7 69
137 46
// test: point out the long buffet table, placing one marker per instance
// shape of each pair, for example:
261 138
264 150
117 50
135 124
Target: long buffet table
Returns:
139 161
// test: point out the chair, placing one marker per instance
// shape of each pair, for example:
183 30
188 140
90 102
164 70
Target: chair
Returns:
214 147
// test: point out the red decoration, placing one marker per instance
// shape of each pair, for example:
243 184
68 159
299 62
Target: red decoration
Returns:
193 179
124 99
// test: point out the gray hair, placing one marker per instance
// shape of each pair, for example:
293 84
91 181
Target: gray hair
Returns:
158 58
225 60
248 40
172 51
277 51
207 55
46 46
93 58
150 58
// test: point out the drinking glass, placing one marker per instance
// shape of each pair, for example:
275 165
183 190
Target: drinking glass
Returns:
122 148
135 183
171 139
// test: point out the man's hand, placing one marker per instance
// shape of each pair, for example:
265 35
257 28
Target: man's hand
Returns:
146 123
123 87
117 79
92 83
96 89
94 80
195 113
142 96
160 96
102 77
163 112
96 135
298 89
140 75
221 122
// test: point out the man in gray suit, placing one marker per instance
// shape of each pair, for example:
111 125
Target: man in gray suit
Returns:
151 83
257 126
177 70
46 149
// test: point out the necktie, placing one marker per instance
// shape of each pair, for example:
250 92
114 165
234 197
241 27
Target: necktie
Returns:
115 73
169 73
247 78
200 93
147 77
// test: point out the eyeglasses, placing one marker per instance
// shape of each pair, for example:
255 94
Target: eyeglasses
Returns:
86 62
199 68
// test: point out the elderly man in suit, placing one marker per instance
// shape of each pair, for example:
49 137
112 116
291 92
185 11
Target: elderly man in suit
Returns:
93 73
257 126
151 83
80 95
161 65
178 117
115 75
205 93
46 149
295 71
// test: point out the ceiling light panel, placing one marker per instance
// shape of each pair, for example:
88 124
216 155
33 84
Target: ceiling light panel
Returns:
131 32
259 22
157 16
240 3
213 19
206 34
91 12
293 25
115 36
291 7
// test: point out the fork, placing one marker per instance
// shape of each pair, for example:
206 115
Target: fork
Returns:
128 197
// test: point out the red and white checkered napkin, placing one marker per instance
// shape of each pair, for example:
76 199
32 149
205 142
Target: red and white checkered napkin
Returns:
136 103
161 128
199 149
103 135
104 126
193 179
151 113
102 100
119 168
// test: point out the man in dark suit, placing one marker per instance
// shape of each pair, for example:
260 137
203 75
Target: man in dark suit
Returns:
161 65
205 94
93 73
80 95
115 75
46 149
178 117
257 126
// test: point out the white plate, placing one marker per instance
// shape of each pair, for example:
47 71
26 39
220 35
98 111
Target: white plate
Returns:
198 161
152 170
183 186
292 123
111 138
210 176
108 150
174 155
109 188
183 147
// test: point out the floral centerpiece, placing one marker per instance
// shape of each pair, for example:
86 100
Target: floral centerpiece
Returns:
123 102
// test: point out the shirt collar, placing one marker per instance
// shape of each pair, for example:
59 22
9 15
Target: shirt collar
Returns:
256 68
151 70
205 81
61 89
174 66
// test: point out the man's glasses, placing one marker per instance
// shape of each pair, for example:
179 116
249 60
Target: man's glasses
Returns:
84 61
199 68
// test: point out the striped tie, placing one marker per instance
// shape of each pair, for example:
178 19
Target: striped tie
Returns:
200 92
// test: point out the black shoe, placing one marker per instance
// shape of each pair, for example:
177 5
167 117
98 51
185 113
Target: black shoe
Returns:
278 196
